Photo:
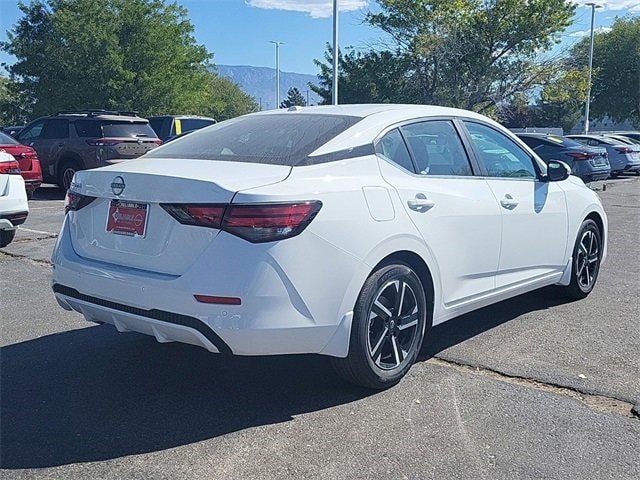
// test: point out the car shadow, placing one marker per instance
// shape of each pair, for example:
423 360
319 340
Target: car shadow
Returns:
93 394
49 192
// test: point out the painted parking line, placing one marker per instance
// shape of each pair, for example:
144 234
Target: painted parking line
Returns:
37 231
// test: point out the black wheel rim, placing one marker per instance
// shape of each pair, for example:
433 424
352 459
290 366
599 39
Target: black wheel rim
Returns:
587 260
393 325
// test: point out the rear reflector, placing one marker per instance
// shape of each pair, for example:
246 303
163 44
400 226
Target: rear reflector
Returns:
257 223
218 300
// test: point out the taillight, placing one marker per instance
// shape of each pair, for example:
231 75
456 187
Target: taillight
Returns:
10 168
269 222
197 214
257 223
157 141
580 155
74 201
103 142
624 150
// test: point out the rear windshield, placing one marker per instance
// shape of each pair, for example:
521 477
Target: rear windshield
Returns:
550 140
127 129
7 140
285 139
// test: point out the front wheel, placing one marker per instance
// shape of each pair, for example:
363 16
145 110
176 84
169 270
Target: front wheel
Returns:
587 255
389 324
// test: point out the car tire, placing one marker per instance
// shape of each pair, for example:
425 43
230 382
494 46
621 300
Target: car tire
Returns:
67 171
390 321
6 237
587 255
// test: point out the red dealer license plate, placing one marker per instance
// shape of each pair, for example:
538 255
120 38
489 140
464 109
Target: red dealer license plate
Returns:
127 218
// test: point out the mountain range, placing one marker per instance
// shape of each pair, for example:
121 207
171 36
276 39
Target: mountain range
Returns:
259 82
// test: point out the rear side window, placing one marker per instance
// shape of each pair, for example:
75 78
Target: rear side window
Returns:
58 128
393 148
437 148
280 139
126 129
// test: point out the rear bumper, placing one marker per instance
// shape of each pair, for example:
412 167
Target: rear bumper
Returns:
284 310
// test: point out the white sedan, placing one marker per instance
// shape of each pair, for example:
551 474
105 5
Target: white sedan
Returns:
345 231
14 207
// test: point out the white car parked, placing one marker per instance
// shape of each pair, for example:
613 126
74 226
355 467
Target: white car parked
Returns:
345 231
14 207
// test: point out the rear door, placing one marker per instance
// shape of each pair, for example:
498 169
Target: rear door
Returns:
534 212
454 210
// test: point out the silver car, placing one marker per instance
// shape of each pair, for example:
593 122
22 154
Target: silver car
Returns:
623 157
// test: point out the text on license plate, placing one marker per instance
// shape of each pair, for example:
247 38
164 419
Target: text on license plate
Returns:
127 218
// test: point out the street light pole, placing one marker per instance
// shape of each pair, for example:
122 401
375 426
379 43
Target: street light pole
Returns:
334 88
588 102
277 44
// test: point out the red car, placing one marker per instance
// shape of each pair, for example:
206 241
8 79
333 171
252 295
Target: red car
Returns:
27 159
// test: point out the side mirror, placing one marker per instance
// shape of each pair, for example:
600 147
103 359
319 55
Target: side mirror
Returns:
557 171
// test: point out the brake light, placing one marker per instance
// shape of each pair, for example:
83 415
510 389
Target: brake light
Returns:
624 149
157 141
10 168
256 223
74 201
580 155
198 214
103 142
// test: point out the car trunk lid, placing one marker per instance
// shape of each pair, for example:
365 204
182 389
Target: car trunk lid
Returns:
126 224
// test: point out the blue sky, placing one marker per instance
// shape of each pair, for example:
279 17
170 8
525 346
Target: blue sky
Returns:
238 31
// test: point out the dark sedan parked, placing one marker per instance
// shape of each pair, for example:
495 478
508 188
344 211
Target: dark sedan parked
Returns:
588 163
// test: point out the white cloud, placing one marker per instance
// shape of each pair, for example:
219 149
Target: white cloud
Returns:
632 5
315 8
584 33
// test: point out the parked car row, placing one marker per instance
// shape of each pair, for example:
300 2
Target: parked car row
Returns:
69 141
14 207
591 157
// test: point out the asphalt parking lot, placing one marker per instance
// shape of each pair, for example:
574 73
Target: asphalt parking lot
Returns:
533 387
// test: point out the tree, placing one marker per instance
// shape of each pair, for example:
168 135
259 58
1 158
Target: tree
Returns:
294 97
118 54
474 54
229 100
616 61
369 77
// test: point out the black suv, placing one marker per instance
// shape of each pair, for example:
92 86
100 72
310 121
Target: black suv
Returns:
78 140
169 126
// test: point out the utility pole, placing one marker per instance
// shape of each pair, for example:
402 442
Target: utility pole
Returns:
334 89
588 102
277 44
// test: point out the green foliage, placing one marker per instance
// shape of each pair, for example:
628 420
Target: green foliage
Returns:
616 61
562 100
229 100
117 54
294 97
474 54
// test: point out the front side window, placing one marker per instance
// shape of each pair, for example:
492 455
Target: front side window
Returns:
500 155
437 148
393 148
31 133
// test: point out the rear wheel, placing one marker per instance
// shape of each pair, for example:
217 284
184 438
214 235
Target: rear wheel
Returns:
389 324
6 237
587 254
67 171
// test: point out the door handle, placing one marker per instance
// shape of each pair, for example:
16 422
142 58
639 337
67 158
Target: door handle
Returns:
509 202
420 203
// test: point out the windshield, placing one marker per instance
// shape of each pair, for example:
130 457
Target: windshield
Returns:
285 139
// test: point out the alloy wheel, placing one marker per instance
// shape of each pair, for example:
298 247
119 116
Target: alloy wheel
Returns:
587 260
393 325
